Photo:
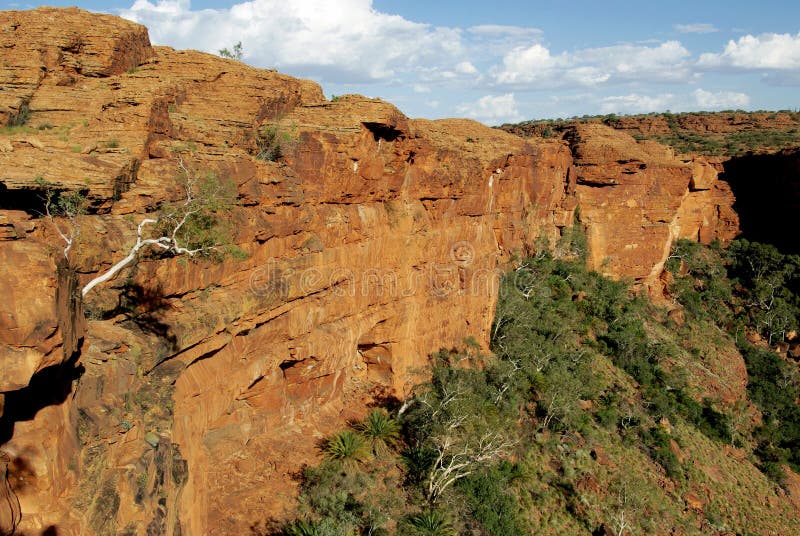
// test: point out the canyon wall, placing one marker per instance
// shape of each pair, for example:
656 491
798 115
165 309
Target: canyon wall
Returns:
185 396
635 198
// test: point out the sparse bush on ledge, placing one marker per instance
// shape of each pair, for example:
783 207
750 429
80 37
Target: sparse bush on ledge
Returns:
235 53
272 140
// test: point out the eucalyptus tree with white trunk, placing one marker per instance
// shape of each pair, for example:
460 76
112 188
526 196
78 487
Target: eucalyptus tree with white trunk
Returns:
190 226
456 430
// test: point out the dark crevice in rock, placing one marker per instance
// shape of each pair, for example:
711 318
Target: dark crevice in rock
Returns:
203 357
256 382
126 177
69 304
29 200
598 183
32 199
289 363
381 131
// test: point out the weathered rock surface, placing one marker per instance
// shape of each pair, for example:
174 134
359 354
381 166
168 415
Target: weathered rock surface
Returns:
374 242
705 123
200 388
635 198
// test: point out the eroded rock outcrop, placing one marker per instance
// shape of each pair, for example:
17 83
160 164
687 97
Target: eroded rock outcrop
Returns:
705 123
636 198
196 390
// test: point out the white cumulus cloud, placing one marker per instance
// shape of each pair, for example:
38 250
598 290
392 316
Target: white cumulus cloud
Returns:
526 64
492 109
504 30
535 66
768 51
466 67
635 103
342 41
720 100
699 99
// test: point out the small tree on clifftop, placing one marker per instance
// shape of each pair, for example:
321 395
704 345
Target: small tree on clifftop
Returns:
234 54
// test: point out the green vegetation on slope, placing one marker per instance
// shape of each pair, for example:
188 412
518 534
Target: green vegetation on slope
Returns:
751 288
590 417
730 144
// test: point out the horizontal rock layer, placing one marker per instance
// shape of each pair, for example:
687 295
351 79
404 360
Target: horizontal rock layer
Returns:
372 242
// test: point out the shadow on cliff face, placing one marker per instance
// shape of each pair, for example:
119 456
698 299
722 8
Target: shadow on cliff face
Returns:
767 190
50 386
143 306
29 200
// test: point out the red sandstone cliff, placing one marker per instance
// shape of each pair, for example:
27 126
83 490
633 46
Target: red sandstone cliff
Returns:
195 389
635 198
706 123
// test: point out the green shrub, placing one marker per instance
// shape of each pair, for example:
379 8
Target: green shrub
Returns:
340 495
380 430
769 284
418 461
203 229
774 386
346 446
657 442
431 523
271 140
20 118
303 528
490 498
235 53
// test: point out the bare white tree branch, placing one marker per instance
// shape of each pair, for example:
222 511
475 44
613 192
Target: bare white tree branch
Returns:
172 225
457 458
69 236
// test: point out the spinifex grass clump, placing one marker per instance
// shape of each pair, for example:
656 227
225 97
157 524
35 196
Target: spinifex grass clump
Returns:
346 446
380 430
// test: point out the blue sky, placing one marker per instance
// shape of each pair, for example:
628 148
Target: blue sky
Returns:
508 60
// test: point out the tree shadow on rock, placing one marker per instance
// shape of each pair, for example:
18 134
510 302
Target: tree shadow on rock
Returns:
384 397
145 307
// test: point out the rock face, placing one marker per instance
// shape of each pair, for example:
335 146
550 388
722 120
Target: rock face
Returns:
635 198
196 390
704 124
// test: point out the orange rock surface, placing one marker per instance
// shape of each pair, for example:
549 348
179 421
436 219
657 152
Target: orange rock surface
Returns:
706 123
636 198
196 390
